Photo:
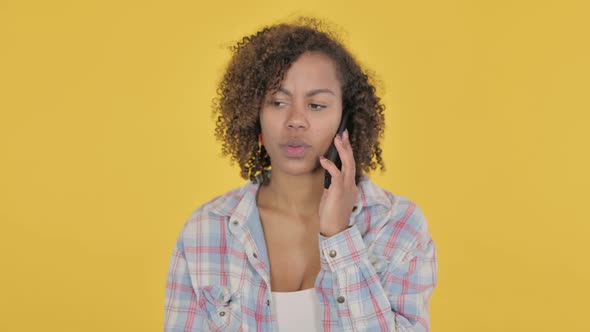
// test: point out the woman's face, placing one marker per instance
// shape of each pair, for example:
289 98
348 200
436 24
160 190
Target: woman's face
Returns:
299 121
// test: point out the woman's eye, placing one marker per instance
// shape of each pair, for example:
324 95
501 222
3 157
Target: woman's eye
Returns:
317 106
277 103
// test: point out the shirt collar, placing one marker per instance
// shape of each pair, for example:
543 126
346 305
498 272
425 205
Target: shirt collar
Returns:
369 194
238 203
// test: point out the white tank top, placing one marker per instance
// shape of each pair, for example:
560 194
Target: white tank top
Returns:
298 311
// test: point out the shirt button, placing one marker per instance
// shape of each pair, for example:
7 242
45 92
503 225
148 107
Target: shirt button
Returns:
235 222
255 256
222 313
332 253
354 208
340 299
267 302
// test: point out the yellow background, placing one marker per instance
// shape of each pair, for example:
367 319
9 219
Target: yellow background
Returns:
107 146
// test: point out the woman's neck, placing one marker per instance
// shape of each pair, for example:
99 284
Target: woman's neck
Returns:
293 195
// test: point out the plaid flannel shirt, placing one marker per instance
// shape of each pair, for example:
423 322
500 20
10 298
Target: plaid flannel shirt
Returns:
377 275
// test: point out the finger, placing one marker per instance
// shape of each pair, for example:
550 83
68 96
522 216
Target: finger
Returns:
348 160
330 167
344 149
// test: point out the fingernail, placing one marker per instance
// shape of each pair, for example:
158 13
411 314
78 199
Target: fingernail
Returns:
339 138
346 133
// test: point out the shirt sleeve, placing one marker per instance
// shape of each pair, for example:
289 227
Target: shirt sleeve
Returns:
388 287
180 305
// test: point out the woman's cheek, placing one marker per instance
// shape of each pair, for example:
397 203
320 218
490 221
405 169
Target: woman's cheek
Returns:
326 142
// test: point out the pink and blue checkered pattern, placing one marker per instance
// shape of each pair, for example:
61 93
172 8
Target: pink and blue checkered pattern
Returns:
377 275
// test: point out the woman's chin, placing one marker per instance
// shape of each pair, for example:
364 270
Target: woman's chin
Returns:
299 169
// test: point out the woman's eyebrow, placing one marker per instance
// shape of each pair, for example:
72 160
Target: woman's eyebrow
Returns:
309 93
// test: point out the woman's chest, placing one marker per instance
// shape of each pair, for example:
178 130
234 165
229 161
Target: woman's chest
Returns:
293 251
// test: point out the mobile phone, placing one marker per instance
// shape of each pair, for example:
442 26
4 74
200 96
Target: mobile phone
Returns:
333 153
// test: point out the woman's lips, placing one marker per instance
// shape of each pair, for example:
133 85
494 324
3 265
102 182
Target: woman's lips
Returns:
295 147
294 151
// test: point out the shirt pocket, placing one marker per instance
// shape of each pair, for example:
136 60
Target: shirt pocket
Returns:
222 307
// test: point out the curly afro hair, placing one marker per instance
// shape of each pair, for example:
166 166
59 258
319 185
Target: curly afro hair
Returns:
258 66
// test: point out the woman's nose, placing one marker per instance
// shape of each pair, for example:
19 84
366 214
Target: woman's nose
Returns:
297 117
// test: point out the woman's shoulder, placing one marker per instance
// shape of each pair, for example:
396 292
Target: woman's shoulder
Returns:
402 214
221 208
226 203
